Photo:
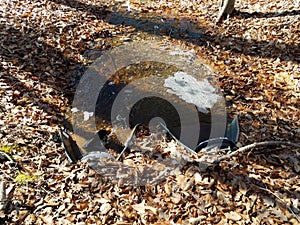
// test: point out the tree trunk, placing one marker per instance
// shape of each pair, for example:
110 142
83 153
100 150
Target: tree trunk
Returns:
225 9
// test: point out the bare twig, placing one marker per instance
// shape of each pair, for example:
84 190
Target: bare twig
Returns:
254 145
128 141
255 187
44 206
281 200
191 151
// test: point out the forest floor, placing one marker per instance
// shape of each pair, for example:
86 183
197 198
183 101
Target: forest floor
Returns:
256 56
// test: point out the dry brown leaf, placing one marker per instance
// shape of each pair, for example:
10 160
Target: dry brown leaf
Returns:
142 207
233 216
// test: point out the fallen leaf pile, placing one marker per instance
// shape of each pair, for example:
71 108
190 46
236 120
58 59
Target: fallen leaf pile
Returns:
45 47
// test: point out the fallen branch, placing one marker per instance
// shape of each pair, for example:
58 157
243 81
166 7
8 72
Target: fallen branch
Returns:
254 145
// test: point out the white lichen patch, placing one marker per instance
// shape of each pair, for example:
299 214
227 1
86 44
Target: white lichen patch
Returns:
200 93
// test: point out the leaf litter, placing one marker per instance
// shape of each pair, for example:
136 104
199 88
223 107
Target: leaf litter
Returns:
256 54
